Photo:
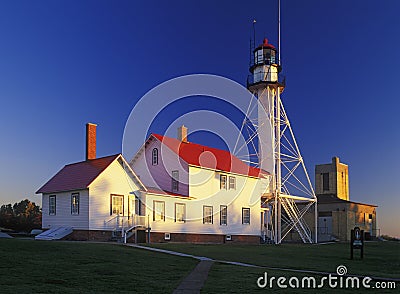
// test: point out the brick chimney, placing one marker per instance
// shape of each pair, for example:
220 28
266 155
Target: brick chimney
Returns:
90 141
182 134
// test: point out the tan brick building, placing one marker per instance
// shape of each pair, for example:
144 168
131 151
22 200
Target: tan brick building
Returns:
337 215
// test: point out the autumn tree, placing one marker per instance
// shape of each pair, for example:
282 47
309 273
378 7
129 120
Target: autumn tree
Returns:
6 216
22 216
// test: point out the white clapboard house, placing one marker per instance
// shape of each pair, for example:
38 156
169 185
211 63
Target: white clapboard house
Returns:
172 190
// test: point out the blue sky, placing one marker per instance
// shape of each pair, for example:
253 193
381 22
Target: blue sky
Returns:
65 63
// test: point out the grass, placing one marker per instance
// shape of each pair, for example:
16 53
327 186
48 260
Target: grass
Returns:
225 278
28 266
381 259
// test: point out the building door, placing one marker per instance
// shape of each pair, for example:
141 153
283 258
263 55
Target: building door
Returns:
131 206
266 225
368 233
324 228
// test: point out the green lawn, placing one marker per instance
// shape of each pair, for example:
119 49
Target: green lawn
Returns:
380 258
28 266
232 279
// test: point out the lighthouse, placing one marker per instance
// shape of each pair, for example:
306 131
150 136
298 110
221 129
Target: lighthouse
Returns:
292 194
264 83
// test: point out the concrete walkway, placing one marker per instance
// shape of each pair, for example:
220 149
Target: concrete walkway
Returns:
168 252
194 282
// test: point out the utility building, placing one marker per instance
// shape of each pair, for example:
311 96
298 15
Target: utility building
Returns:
337 215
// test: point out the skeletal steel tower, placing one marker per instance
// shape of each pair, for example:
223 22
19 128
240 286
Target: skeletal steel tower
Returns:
291 196
288 205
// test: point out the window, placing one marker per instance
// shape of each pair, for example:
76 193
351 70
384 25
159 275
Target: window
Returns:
158 211
223 215
75 203
52 205
175 181
245 216
259 56
117 205
267 57
325 181
232 183
180 211
154 156
273 60
222 182
207 214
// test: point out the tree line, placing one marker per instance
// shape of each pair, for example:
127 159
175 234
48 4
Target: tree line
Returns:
22 217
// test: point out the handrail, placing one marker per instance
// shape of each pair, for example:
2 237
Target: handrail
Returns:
265 59
122 221
266 76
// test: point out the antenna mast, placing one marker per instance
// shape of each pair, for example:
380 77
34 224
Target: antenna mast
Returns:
279 32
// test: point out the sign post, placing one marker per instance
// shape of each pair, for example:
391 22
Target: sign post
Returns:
357 242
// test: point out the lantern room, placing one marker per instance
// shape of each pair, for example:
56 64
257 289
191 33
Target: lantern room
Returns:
265 54
265 64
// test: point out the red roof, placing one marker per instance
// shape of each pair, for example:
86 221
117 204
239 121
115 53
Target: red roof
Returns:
265 44
77 176
208 157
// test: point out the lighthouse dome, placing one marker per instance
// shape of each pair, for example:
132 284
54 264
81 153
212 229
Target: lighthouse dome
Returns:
265 44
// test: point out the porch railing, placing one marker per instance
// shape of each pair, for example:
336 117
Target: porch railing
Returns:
122 222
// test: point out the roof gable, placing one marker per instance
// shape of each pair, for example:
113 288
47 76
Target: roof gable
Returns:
77 176
208 157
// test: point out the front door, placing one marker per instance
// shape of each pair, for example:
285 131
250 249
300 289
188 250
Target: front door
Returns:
131 206
266 225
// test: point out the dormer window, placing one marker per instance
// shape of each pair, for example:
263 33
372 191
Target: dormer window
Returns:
154 156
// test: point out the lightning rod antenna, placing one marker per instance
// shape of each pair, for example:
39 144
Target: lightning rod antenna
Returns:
254 34
279 32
